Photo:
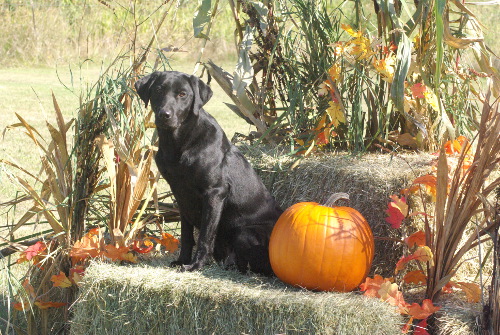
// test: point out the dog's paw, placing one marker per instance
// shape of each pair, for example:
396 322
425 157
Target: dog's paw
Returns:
176 264
192 267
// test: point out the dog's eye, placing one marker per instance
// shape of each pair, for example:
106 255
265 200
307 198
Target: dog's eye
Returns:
181 94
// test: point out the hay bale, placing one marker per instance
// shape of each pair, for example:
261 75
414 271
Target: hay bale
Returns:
458 320
154 299
456 315
369 180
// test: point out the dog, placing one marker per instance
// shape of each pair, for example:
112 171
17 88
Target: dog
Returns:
215 187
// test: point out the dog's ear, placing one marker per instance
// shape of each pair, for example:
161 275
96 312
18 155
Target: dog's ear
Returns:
143 86
202 93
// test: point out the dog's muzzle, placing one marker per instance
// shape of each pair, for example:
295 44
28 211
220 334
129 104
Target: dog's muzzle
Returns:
164 115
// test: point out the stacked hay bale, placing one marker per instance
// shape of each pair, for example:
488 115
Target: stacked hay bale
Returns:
369 180
150 298
154 299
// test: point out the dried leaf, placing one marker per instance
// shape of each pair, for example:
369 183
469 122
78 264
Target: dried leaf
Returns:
397 211
424 311
371 286
88 246
351 31
20 306
170 243
457 145
416 239
430 183
418 90
421 328
76 274
422 254
142 246
115 253
390 293
472 291
28 288
60 280
49 304
415 277
387 290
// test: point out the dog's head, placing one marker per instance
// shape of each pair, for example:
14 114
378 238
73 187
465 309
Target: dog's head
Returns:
173 96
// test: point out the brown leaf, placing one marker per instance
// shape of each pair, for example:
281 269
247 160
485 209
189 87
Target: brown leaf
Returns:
415 277
472 291
407 140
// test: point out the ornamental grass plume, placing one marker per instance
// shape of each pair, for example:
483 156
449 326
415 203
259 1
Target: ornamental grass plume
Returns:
467 195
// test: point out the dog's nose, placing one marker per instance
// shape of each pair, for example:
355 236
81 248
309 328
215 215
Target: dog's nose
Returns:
164 114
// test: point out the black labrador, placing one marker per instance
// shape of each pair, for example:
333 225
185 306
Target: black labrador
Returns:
216 188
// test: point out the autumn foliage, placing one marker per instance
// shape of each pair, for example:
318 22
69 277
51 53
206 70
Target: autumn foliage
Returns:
91 246
454 163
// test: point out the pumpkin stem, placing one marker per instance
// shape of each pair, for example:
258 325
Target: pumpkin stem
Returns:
336 197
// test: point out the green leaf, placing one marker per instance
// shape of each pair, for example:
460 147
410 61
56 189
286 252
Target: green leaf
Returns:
202 18
438 12
243 74
398 84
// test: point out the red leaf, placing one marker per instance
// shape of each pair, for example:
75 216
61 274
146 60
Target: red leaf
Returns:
142 246
448 288
49 304
417 90
422 254
32 252
415 277
397 211
423 312
168 241
372 286
416 239
421 328
35 250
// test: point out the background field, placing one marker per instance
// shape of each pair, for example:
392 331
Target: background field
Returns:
62 46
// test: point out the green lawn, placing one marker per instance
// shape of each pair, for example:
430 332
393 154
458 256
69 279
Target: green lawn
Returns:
27 92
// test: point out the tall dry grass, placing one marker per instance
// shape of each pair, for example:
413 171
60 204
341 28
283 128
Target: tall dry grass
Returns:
464 196
57 32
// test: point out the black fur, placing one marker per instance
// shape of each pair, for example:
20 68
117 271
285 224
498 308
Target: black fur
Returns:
216 188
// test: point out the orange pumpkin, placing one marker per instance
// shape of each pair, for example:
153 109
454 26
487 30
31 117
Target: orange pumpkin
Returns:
321 247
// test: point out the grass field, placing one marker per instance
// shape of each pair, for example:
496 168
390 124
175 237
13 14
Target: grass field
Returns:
27 92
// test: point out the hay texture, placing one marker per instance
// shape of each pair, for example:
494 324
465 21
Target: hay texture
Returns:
458 319
369 180
154 299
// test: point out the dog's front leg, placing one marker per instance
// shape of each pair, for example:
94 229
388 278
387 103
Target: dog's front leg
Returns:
187 243
213 203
